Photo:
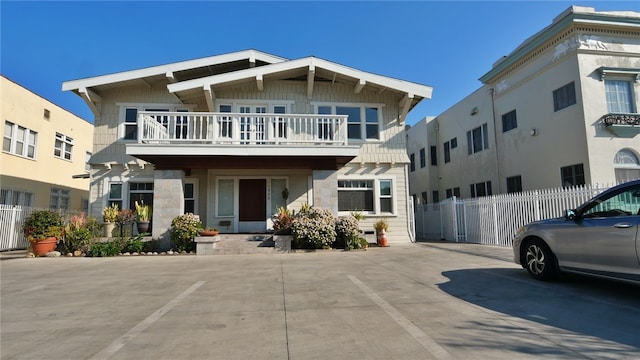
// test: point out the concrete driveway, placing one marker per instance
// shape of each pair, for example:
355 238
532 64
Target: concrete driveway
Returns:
414 301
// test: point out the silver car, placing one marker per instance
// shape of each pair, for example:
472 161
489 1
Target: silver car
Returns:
599 238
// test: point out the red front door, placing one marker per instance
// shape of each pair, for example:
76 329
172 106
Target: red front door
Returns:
253 199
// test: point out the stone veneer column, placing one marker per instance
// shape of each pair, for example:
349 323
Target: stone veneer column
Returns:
325 190
168 202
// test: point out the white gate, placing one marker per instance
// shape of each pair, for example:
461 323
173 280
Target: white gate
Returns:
11 220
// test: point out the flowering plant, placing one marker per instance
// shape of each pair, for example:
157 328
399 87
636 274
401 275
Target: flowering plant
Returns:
347 232
126 216
282 221
78 232
313 228
184 229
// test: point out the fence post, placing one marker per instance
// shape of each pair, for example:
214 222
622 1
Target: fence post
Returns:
536 202
455 218
494 208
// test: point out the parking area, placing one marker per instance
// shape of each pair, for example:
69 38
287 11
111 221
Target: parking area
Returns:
416 301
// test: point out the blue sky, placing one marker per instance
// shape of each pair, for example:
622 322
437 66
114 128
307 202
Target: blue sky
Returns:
444 44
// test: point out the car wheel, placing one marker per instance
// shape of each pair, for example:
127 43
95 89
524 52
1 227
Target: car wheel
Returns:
540 261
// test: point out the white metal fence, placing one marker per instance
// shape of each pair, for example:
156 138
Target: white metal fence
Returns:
493 220
11 220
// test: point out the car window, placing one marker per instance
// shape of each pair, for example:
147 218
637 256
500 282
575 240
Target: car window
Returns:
625 203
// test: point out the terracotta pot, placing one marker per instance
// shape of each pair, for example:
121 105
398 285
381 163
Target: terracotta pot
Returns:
382 239
42 247
208 233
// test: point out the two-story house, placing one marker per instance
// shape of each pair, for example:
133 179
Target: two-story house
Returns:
561 109
235 136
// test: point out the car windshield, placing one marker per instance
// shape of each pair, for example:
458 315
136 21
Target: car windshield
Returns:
624 203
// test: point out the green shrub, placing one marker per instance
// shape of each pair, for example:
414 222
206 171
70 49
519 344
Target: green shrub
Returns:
104 249
134 245
347 233
42 224
313 228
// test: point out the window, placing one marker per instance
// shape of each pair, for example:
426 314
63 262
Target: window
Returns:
63 147
436 196
280 123
481 189
572 175
447 152
225 123
478 139
325 130
225 197
16 197
564 97
626 166
423 160
128 129
59 199
130 124
453 192
621 203
371 196
363 122
19 140
509 121
424 197
140 192
514 184
47 114
454 143
412 165
115 195
619 96
189 198
434 156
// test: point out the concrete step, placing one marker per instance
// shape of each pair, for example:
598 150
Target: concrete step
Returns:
245 244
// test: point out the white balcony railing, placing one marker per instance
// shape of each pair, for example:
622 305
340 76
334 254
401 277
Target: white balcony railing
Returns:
241 129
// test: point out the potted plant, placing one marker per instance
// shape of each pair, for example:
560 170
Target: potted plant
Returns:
183 231
43 229
110 217
381 228
143 217
208 232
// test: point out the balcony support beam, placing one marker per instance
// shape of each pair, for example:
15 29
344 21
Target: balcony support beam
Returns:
310 79
210 97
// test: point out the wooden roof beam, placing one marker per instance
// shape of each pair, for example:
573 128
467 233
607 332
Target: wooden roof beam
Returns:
210 96
405 105
260 82
310 79
92 99
359 86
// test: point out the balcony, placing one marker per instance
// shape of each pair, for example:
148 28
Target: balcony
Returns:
622 125
242 139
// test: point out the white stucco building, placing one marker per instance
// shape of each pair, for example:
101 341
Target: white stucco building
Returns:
561 109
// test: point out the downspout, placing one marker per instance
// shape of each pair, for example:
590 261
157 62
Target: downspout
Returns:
495 139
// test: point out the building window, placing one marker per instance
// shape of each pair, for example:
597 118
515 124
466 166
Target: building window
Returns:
447 153
481 189
454 143
225 200
140 192
478 139
619 96
435 194
509 121
63 147
514 184
412 163
59 199
189 198
434 156
115 195
572 175
129 119
19 140
423 160
424 197
564 97
363 122
361 195
16 197
453 192
626 166
47 114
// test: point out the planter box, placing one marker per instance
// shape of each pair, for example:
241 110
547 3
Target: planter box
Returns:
207 245
283 242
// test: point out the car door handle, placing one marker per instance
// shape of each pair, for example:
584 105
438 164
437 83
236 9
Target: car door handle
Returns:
623 225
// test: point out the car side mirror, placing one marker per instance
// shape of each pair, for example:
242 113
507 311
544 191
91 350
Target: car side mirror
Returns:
570 214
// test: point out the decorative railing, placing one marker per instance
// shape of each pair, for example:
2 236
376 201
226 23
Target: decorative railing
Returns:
621 119
241 129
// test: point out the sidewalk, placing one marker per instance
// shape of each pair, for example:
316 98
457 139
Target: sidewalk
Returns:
490 251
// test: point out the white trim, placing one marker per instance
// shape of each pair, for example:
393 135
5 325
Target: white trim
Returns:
251 55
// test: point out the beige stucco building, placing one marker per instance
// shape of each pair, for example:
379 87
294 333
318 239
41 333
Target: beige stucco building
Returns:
233 137
561 109
45 149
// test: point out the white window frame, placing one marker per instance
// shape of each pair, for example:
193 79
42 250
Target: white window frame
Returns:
363 117
13 140
122 125
63 146
195 183
629 96
16 197
377 196
107 192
